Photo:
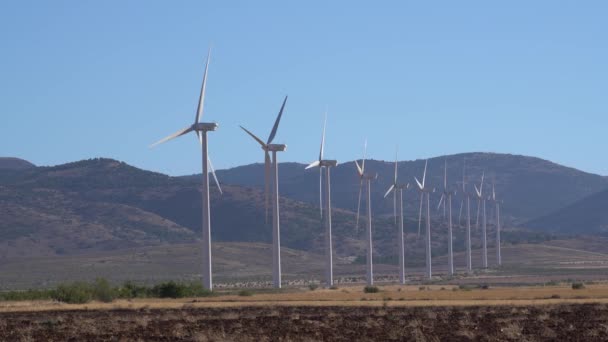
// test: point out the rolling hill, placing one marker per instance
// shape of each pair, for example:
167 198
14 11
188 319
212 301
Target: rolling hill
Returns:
10 163
530 187
103 204
587 216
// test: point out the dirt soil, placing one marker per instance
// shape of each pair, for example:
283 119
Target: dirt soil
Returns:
565 322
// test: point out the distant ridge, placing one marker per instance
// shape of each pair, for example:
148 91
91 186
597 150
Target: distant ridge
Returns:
587 216
11 163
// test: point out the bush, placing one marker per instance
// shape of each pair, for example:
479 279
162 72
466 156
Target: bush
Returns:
172 289
245 293
333 287
73 293
102 291
313 286
130 290
169 290
371 289
578 286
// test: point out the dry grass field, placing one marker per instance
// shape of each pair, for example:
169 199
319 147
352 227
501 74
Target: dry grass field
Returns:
250 263
395 313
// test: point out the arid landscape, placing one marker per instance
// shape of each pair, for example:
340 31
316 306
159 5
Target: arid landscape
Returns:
430 313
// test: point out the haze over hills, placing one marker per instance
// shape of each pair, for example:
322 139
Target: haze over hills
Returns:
103 204
588 215
10 163
530 187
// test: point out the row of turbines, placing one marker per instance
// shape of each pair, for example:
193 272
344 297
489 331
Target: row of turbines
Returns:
271 175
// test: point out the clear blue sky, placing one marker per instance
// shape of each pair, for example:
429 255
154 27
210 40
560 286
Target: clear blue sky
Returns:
82 79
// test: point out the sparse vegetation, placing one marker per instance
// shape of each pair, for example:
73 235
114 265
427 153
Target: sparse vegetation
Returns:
371 289
101 290
313 286
245 293
578 286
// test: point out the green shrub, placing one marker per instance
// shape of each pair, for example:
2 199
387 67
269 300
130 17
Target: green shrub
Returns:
371 289
130 290
73 293
313 286
578 286
172 289
245 293
102 291
333 287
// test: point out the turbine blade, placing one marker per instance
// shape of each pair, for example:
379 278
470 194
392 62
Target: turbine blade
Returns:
173 136
460 211
323 138
359 170
396 152
477 190
253 136
389 190
359 204
266 183
313 164
440 201
483 175
364 156
420 186
201 98
276 122
424 174
214 175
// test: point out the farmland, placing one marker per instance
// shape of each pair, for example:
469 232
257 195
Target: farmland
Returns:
344 314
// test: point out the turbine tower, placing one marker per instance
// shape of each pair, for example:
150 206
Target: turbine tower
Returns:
394 188
446 197
327 164
497 203
481 204
364 177
467 198
426 191
201 129
273 163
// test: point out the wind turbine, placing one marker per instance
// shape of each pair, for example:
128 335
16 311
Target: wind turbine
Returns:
394 188
467 198
364 177
481 203
426 191
201 129
446 197
327 164
269 163
497 203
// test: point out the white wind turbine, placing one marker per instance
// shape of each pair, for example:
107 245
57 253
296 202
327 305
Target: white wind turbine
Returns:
367 178
497 203
394 188
446 197
426 191
467 198
276 234
481 204
201 129
327 164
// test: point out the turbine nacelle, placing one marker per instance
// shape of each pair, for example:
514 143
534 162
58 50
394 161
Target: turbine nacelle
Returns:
275 148
328 163
205 126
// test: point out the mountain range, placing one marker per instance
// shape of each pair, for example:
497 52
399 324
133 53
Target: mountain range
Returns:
103 204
